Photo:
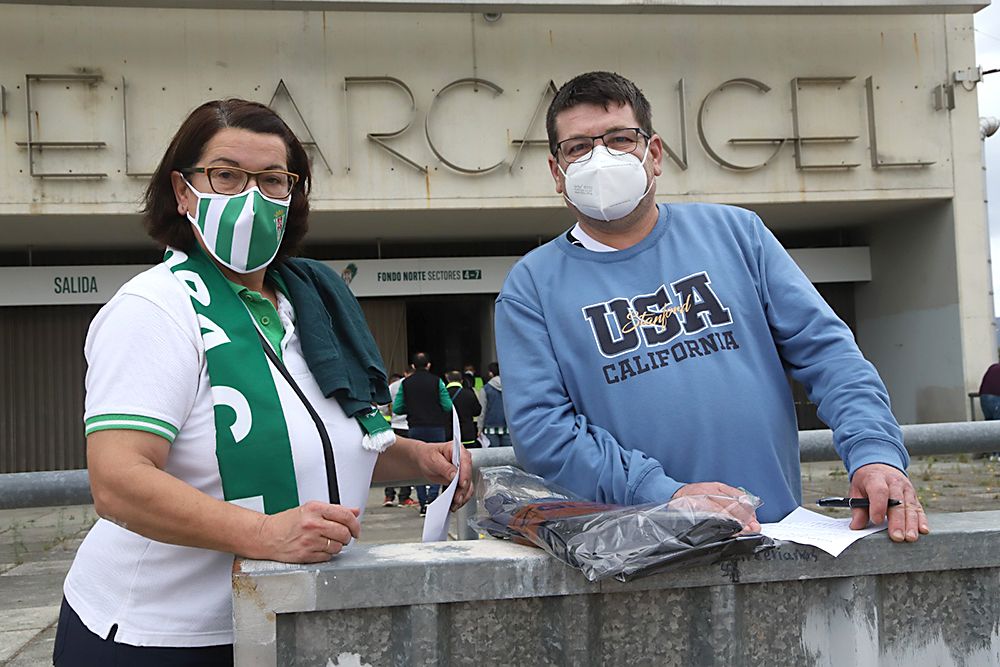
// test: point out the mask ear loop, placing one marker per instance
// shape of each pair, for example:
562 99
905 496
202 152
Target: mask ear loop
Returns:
194 189
652 178
192 219
565 176
645 153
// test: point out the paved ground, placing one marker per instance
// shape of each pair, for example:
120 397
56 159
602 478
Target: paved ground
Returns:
37 545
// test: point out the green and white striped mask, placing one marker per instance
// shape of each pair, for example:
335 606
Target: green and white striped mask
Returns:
242 232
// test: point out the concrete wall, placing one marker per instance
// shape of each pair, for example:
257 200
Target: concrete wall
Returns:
908 315
974 276
485 602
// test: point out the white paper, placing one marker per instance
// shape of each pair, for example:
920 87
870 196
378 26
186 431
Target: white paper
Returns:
806 527
438 512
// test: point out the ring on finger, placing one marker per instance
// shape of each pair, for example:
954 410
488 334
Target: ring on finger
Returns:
327 547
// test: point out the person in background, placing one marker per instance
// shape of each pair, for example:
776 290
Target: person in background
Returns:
427 406
466 405
989 392
989 398
386 409
400 428
493 421
471 378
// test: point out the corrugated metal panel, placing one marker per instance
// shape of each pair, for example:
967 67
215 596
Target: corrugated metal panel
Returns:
42 370
387 321
41 387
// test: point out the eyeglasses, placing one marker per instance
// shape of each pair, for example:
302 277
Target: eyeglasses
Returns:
618 142
234 180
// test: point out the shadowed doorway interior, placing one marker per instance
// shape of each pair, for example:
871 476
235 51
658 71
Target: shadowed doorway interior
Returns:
448 328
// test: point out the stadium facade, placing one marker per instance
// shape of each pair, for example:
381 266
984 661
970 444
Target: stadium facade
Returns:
851 127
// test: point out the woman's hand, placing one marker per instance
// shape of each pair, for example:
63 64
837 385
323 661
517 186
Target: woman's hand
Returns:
310 533
131 489
416 459
433 459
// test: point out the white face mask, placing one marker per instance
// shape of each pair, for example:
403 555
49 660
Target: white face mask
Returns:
606 187
242 232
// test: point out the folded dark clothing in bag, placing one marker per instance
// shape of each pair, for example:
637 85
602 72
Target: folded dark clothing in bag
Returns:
613 540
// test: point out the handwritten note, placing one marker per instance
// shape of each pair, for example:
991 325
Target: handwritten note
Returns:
806 527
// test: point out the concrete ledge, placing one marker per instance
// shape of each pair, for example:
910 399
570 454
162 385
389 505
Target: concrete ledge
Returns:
287 613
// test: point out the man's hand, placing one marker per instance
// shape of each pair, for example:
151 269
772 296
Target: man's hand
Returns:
434 462
722 498
878 482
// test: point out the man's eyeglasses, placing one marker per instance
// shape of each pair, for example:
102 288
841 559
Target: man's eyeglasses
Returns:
226 180
618 142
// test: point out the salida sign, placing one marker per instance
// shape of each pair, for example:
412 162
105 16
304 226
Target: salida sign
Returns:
74 285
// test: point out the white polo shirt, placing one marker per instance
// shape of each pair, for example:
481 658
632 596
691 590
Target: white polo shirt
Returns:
146 371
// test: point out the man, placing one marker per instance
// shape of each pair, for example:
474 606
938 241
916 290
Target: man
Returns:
426 404
466 405
645 350
400 428
493 421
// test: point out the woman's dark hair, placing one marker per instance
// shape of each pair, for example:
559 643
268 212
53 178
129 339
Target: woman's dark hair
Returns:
160 215
600 89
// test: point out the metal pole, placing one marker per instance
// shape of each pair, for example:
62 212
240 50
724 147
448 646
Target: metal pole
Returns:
44 489
72 487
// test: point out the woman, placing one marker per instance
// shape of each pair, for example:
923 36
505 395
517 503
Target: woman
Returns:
230 404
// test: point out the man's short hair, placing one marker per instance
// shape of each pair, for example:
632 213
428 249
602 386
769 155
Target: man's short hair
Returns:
601 89
420 360
493 369
453 376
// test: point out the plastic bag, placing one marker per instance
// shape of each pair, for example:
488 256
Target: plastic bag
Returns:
619 541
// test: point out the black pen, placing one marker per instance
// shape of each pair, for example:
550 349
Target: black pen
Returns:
851 502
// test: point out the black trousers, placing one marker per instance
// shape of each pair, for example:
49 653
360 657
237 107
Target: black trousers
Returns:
77 646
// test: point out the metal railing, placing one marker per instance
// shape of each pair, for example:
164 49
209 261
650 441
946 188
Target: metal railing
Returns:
72 487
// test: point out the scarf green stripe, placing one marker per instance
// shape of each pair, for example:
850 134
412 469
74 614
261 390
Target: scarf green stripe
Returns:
252 444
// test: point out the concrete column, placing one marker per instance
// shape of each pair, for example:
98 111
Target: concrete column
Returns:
979 347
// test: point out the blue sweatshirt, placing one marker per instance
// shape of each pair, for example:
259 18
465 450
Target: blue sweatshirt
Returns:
631 373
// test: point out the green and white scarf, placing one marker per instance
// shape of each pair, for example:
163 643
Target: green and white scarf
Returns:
251 437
